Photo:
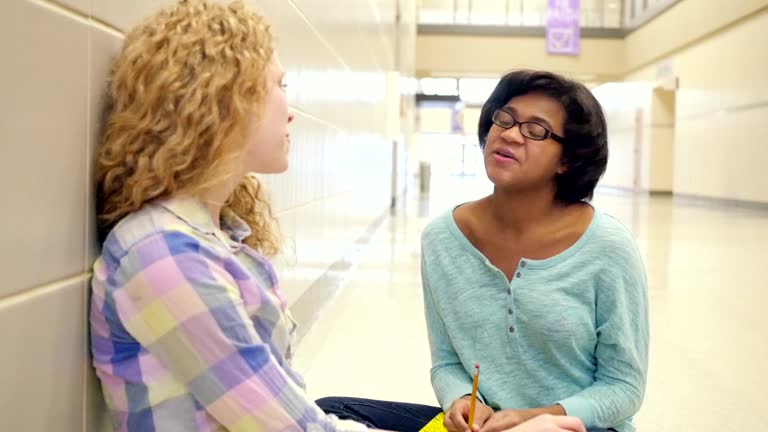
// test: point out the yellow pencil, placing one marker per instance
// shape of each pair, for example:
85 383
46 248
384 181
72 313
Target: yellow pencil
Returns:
474 396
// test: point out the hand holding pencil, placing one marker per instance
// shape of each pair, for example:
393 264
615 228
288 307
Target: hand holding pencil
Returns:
461 414
477 414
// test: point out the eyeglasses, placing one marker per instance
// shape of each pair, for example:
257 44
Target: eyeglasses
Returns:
531 130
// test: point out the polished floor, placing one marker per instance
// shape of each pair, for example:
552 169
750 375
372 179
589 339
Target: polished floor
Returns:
708 288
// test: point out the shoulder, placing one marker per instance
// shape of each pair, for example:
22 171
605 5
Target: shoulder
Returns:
611 235
438 230
152 233
613 244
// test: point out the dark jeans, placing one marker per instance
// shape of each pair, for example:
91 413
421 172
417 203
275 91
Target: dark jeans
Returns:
393 416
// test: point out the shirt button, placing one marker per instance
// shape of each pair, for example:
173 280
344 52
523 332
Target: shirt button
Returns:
519 275
511 329
523 264
509 311
509 291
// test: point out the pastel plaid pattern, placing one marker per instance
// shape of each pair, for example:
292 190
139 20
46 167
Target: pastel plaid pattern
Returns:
190 332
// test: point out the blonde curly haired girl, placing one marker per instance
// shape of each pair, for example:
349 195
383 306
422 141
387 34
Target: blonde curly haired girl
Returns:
189 329
183 92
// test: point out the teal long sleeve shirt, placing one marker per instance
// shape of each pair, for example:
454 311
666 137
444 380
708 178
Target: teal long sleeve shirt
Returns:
570 330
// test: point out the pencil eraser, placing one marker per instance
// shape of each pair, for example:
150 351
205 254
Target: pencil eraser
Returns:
477 365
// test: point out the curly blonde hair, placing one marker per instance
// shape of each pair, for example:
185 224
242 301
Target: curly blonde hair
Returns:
179 97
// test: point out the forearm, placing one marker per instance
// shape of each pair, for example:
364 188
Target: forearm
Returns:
604 404
450 382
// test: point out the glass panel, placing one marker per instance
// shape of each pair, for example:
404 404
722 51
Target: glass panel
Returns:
634 9
612 11
534 12
591 13
638 4
462 11
489 12
515 12
436 11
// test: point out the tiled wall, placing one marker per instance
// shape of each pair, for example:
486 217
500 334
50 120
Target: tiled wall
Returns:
55 61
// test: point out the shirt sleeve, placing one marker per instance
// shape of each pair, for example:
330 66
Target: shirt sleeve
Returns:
450 379
185 308
622 346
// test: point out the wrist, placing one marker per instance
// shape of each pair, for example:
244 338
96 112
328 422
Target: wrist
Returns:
556 410
469 398
527 414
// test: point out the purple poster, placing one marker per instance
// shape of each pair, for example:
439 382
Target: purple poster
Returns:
563 31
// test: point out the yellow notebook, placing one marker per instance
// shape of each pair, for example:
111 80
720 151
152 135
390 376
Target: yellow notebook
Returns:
436 425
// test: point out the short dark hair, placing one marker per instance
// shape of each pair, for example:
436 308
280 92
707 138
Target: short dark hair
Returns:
585 151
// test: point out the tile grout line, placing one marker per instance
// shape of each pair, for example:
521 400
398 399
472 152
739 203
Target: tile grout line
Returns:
318 119
27 294
62 10
317 33
84 18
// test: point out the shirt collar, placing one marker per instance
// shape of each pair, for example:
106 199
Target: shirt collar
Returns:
194 214
233 225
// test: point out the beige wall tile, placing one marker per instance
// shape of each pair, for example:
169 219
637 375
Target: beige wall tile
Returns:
43 336
43 153
78 6
125 14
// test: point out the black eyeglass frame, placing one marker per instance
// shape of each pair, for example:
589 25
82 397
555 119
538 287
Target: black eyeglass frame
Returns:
548 134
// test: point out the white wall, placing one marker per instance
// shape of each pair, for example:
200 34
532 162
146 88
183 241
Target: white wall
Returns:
626 109
720 110
56 61
661 139
686 23
640 119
